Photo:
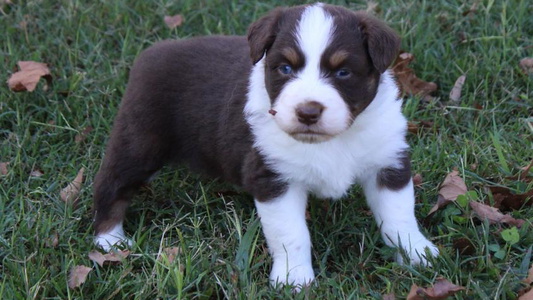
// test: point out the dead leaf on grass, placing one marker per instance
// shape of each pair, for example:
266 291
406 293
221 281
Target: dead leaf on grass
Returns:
3 168
29 75
173 21
409 83
483 211
526 64
111 257
36 173
80 137
52 241
504 198
441 289
417 180
389 296
170 253
455 94
452 186
417 126
527 296
529 278
464 246
71 192
77 276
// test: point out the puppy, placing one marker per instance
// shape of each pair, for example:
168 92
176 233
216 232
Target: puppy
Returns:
304 105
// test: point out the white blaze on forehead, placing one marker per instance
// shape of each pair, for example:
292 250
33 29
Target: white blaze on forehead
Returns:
313 35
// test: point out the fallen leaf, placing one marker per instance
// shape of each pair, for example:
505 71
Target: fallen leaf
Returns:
415 127
452 186
504 198
3 168
70 193
170 253
77 276
80 137
173 21
464 246
527 296
111 257
526 64
529 279
441 289
36 173
472 10
389 296
409 83
455 94
492 214
29 75
417 180
52 241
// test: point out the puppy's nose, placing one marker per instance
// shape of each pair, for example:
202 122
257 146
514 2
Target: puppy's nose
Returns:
309 113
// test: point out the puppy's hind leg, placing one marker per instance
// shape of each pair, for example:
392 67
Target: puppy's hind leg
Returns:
130 161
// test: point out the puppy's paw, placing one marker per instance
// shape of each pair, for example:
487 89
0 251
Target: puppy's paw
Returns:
113 238
298 277
417 253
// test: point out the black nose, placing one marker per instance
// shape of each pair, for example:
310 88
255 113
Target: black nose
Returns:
309 113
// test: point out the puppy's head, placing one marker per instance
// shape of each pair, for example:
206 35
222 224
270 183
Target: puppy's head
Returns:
322 66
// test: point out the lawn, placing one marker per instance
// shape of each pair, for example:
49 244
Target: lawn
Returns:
48 135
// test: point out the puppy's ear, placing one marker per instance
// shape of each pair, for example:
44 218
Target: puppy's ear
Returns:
383 42
262 33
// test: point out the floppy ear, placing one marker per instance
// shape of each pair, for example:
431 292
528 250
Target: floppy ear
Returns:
383 42
262 33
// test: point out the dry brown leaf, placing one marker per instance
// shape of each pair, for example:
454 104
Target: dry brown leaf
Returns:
173 21
70 193
465 246
409 83
504 198
494 216
77 276
452 186
111 257
80 137
526 64
36 173
29 75
389 296
417 180
441 290
527 296
529 279
3 168
170 253
455 94
52 241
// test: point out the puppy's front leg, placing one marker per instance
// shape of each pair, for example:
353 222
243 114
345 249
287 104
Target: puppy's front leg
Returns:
285 229
393 208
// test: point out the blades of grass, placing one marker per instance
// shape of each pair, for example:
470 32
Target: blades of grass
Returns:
499 151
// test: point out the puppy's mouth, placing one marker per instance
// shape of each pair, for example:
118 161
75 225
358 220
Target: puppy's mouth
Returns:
310 136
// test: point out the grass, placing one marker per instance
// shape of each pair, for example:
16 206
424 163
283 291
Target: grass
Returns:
90 46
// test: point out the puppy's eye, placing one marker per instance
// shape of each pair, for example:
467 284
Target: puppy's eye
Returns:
285 69
343 73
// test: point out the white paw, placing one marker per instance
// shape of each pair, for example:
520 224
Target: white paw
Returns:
298 277
417 254
114 237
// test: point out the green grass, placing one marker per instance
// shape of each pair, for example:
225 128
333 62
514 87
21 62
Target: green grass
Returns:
90 45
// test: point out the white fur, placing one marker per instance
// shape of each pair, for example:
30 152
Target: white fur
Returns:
313 36
284 226
113 237
328 169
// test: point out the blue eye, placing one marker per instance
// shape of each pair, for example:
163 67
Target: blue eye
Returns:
285 69
343 73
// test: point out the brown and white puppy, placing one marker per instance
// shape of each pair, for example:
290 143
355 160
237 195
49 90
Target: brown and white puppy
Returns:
304 106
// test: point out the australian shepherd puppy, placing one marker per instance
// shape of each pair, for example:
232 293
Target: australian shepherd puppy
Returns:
303 105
